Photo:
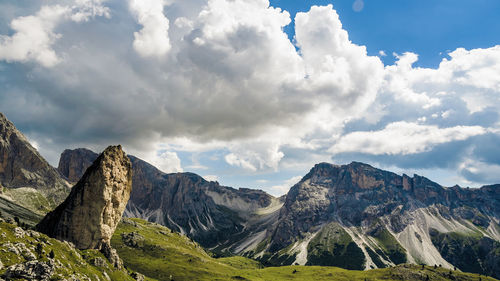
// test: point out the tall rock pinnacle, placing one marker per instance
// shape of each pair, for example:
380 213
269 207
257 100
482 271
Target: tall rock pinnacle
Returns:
89 215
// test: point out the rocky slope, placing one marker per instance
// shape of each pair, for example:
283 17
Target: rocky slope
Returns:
21 166
91 212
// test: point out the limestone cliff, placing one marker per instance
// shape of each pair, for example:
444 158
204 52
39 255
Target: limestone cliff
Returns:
90 214
74 162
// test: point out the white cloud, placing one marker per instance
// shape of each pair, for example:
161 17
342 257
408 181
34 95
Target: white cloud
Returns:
336 67
152 39
33 37
155 154
168 162
234 83
480 172
235 160
403 138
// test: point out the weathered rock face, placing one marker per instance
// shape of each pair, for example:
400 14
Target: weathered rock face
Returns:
90 214
204 210
22 166
74 162
359 194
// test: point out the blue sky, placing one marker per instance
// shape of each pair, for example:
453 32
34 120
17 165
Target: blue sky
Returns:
244 93
427 27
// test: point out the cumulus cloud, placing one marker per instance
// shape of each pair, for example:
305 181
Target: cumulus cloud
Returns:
403 138
33 37
233 82
479 172
335 67
152 39
166 161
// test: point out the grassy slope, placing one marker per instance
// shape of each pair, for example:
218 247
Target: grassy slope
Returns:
163 254
70 260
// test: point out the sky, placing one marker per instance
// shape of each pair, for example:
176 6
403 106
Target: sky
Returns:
254 93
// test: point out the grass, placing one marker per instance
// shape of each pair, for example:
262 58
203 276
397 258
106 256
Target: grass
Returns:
166 254
70 261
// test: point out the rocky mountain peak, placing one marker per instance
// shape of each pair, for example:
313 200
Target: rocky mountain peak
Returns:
74 162
89 215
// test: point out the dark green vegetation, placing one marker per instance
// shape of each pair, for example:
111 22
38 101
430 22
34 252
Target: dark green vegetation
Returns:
333 246
375 258
391 249
471 253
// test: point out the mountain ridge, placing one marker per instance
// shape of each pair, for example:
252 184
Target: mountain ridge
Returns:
379 216
21 166
376 218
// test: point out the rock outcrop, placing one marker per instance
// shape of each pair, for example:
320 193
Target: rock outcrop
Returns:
22 166
74 162
90 214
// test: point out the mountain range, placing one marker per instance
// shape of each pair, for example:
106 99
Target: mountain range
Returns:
352 216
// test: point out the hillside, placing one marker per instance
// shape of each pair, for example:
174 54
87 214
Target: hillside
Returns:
26 255
160 253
